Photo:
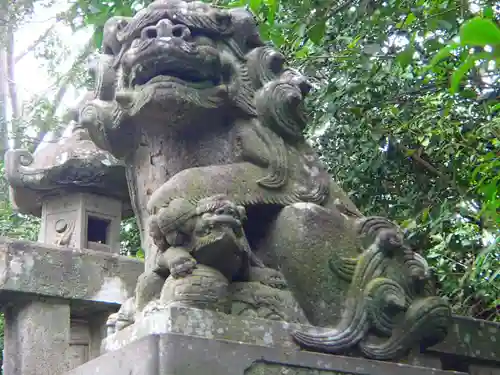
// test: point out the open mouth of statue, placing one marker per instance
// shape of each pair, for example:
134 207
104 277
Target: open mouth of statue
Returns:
186 77
175 66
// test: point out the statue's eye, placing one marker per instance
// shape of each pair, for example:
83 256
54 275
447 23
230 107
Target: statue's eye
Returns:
223 20
203 40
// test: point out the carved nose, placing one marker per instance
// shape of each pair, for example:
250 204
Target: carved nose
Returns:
149 32
165 28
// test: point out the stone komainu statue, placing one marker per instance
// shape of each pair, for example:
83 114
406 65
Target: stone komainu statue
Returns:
196 105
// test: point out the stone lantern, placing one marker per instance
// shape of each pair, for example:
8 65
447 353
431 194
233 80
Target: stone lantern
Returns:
79 191
57 295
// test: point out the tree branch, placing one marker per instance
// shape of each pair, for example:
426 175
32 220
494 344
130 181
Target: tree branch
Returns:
11 84
33 45
63 84
415 155
4 138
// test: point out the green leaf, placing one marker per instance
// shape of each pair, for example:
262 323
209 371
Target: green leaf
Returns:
354 42
410 19
432 45
255 5
443 24
425 213
443 53
317 31
405 57
460 72
301 30
98 37
488 12
124 11
302 53
468 93
277 37
272 8
264 30
480 32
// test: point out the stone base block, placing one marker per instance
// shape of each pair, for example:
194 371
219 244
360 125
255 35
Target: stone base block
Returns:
182 341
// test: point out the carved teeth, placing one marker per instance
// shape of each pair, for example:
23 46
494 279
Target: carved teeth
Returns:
165 38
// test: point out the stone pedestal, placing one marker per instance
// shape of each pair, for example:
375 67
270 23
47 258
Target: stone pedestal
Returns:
183 341
56 304
484 370
27 326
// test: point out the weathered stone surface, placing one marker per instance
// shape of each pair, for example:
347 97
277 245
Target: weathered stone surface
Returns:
85 276
217 326
43 337
260 368
183 354
297 229
207 324
36 338
195 105
214 325
222 114
139 358
56 302
82 221
473 338
71 163
484 370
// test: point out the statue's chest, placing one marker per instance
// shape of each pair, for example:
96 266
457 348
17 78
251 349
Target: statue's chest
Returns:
174 152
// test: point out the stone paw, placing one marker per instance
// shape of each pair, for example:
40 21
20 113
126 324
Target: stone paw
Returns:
183 267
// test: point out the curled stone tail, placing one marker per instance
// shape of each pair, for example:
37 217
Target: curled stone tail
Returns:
343 267
351 329
384 296
354 323
425 322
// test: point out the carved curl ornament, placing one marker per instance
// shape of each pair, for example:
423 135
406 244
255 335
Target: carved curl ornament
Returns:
390 294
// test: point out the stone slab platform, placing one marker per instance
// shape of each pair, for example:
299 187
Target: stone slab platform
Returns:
204 324
184 341
176 354
180 341
474 338
89 278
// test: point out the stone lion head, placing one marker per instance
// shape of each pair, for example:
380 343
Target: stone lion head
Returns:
180 57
